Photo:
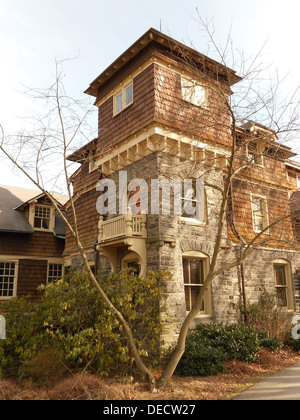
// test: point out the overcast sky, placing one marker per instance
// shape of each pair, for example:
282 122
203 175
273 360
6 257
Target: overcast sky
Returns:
33 33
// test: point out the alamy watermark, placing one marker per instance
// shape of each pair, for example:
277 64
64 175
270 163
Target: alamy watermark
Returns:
180 197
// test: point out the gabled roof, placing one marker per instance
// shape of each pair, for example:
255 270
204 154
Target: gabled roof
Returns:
13 200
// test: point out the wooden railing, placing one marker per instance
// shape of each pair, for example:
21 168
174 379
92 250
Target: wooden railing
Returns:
127 225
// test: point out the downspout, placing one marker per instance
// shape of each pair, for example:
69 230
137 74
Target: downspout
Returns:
242 244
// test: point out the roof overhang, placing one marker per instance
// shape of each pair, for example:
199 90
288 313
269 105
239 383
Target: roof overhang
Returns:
151 36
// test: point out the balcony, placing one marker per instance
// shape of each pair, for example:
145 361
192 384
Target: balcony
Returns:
129 225
128 230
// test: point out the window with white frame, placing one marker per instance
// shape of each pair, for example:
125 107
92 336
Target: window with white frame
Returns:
260 216
195 266
123 98
283 284
194 201
193 92
8 275
55 272
42 217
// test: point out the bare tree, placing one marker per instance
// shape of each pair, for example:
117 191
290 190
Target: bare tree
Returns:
46 148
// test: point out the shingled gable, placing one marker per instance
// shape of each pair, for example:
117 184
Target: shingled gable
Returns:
14 200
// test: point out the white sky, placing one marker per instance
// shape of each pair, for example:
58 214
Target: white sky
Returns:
33 33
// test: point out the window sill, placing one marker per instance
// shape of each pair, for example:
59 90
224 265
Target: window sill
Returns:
191 221
262 233
43 230
123 109
201 319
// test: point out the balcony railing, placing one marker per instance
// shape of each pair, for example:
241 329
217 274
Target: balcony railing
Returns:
128 225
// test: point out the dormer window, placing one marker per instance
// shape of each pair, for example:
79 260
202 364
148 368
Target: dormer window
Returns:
42 217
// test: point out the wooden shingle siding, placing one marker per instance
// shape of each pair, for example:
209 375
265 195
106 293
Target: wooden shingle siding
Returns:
87 217
32 273
112 129
212 124
278 208
38 244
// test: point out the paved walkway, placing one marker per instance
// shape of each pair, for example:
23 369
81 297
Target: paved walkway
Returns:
284 385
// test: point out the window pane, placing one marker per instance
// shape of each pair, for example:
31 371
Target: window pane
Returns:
199 96
196 271
119 99
128 95
280 278
186 275
257 205
281 296
258 223
187 298
46 223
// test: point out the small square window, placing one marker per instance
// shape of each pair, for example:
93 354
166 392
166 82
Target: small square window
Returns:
55 272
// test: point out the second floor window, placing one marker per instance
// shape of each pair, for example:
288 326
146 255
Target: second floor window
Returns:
42 216
123 98
259 213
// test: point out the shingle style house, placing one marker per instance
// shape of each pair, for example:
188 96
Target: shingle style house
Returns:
32 239
162 114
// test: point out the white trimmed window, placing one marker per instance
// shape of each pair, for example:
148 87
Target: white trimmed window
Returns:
55 272
193 92
42 217
260 215
8 279
123 98
195 266
283 284
194 201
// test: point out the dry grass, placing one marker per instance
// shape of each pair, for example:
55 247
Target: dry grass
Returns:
238 376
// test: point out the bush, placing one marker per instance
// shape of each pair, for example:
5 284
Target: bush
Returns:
20 343
270 343
266 317
210 345
201 357
73 320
